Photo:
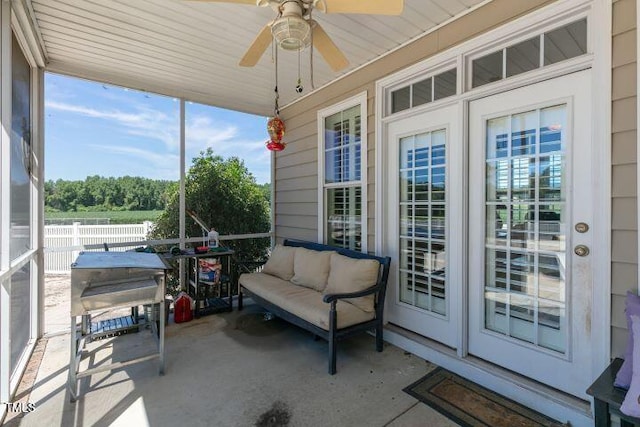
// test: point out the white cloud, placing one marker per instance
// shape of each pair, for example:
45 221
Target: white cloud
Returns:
147 155
144 122
157 165
202 132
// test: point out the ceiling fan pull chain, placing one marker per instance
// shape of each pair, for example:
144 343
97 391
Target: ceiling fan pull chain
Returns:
299 87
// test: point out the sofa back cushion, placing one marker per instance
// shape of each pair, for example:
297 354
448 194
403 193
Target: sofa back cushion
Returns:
311 268
280 263
353 275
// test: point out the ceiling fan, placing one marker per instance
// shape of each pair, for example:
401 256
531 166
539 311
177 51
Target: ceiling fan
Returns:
294 29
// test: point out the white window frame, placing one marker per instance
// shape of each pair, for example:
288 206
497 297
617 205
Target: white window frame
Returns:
354 101
434 71
537 30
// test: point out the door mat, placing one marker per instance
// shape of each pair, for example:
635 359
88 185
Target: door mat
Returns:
472 405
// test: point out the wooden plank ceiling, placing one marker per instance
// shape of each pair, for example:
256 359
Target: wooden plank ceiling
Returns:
191 49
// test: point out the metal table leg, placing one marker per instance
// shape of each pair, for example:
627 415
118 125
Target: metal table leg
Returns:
73 361
161 337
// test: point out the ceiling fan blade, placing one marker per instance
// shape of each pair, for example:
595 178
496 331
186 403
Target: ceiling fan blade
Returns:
257 48
370 7
252 2
329 51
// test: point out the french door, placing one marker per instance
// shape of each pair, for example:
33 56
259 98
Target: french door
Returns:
530 215
424 222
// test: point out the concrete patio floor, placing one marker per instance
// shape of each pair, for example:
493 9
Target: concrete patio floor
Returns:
233 369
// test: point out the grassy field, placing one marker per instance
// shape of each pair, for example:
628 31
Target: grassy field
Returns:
108 217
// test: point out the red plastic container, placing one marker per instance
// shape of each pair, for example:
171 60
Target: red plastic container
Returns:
182 308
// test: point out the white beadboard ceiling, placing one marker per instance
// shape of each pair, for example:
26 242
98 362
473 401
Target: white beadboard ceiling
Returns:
191 49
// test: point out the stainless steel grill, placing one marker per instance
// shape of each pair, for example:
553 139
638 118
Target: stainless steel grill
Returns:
104 280
109 280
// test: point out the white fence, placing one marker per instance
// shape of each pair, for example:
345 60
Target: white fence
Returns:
61 236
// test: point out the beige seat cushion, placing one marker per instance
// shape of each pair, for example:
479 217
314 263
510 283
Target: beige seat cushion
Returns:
311 268
280 263
353 275
302 302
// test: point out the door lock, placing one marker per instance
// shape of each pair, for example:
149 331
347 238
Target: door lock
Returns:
582 227
581 250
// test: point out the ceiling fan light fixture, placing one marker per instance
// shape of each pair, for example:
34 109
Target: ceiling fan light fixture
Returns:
292 32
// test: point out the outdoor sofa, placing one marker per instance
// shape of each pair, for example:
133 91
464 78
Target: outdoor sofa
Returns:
329 291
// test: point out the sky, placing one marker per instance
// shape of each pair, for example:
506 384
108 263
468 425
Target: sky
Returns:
97 129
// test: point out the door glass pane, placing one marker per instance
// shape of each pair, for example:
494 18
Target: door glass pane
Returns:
523 133
525 227
406 219
422 223
406 153
552 335
522 226
551 278
495 304
406 287
422 185
406 253
497 180
422 292
438 300
551 227
521 317
496 224
497 138
406 186
496 269
421 150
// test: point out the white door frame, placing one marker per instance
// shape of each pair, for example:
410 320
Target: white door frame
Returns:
492 346
443 328
598 13
14 19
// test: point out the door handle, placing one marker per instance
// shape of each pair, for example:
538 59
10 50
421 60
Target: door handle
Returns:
581 250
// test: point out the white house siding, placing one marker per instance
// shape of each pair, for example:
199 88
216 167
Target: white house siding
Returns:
296 176
624 223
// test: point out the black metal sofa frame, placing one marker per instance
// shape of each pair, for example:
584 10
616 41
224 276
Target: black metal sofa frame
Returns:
334 334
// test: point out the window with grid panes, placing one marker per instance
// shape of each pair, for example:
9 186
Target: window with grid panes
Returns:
343 179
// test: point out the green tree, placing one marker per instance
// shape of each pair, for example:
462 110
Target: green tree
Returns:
224 194
97 193
266 191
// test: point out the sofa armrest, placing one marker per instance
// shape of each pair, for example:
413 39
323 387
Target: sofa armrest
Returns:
334 297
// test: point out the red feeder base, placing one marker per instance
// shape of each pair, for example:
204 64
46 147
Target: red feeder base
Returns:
275 146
